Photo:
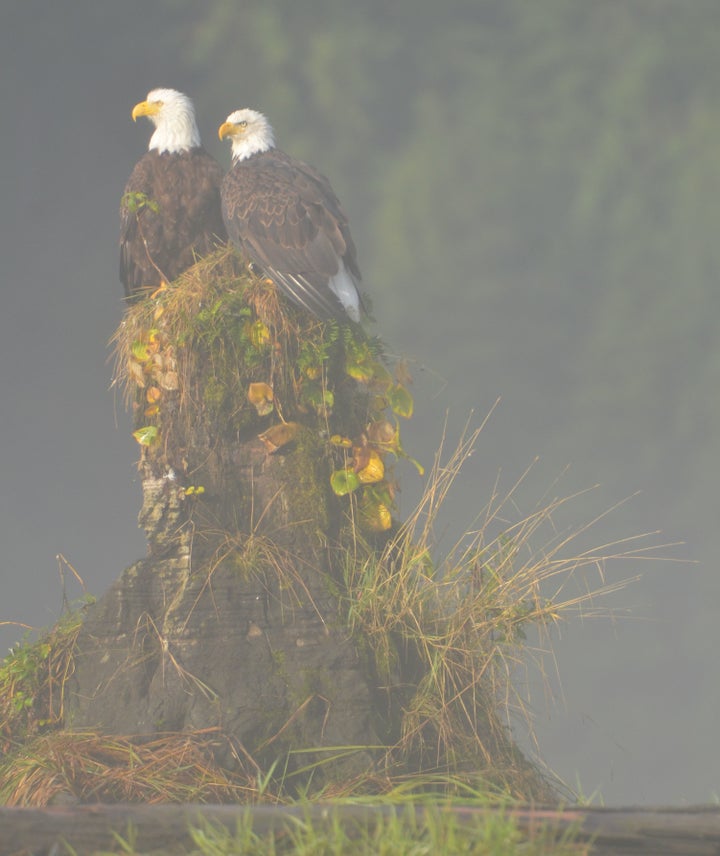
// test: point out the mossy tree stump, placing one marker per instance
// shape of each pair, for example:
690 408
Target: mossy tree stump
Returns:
279 608
235 618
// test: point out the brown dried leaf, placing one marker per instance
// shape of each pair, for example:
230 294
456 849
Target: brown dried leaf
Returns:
381 432
279 435
169 380
136 372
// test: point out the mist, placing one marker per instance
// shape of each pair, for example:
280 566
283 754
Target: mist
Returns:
587 395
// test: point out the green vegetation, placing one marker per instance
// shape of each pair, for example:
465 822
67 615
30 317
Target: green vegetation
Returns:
400 829
218 352
398 826
32 682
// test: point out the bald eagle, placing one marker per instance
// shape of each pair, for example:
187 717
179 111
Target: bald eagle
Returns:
170 211
283 215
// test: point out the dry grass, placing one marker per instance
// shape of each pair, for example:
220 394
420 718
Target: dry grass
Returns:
88 767
197 346
449 632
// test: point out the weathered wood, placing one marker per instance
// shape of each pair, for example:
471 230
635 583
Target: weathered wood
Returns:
246 639
687 831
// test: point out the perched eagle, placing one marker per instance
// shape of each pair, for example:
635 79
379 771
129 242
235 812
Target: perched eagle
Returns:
283 215
170 211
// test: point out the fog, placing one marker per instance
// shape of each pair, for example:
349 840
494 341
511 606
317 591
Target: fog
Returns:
632 712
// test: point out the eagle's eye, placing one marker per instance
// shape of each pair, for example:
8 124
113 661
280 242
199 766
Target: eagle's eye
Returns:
243 123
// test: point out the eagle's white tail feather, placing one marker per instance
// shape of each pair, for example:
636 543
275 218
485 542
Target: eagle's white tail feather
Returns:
343 286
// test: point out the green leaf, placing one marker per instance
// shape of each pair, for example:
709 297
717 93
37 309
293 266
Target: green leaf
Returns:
381 376
135 202
401 453
316 395
146 436
344 482
400 401
140 351
360 372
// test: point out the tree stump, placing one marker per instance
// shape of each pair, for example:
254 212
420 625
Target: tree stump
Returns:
279 606
234 619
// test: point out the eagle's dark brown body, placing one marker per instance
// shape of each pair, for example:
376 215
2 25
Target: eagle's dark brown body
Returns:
284 216
177 219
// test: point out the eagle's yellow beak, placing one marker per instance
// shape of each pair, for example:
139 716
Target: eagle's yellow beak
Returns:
145 108
227 129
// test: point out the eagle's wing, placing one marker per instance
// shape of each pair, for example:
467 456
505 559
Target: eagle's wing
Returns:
285 217
170 214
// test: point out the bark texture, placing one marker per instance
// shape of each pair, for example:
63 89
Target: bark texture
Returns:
232 620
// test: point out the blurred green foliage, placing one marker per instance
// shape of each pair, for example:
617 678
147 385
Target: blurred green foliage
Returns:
534 190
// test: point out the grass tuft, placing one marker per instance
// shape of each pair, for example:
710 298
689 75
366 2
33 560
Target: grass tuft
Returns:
447 632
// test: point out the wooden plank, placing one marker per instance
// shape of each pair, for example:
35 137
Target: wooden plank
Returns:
87 828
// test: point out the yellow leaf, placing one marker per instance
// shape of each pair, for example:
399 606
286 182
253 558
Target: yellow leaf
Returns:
259 334
260 395
153 395
337 440
362 373
374 469
375 515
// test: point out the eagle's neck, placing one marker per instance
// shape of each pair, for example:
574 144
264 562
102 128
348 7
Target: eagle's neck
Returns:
256 144
176 133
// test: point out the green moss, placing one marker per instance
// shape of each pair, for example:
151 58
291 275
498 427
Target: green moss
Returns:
307 472
279 657
214 395
191 355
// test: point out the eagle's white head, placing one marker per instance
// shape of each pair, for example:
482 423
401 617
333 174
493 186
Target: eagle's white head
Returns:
249 132
173 115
